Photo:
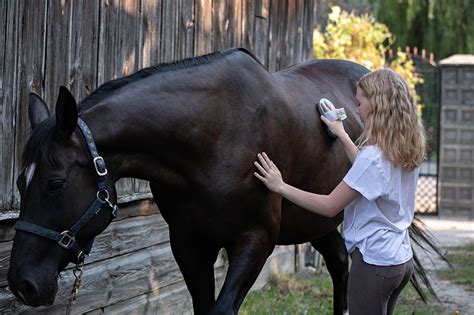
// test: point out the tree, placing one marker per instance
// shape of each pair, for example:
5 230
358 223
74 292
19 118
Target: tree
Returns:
363 40
442 27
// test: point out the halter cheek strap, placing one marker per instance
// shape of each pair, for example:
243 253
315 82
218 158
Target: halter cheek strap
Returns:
67 238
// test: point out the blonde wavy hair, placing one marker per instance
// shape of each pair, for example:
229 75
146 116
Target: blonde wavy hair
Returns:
392 122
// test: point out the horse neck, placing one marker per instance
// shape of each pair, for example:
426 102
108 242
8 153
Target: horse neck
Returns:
145 137
169 122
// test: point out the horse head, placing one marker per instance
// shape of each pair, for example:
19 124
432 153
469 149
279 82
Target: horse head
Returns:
62 209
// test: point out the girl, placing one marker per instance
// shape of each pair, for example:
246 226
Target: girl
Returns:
378 192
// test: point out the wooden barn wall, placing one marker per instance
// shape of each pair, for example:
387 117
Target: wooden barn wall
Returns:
82 44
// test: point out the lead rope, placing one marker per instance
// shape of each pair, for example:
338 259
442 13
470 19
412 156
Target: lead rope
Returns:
77 271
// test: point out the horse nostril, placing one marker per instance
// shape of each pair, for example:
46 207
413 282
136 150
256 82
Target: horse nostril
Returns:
28 291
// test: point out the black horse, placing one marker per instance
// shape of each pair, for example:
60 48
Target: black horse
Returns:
193 129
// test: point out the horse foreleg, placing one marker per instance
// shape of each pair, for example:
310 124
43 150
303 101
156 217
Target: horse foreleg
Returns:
332 247
195 258
247 255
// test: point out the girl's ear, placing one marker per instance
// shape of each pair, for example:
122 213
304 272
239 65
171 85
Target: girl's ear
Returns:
66 112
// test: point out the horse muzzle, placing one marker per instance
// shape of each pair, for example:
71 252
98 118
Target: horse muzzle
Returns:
32 291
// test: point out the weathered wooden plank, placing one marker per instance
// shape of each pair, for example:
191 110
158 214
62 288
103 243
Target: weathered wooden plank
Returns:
3 28
290 35
103 39
8 50
220 24
10 35
137 208
185 29
262 33
30 68
142 187
151 32
276 24
299 25
248 24
4 19
203 27
173 299
169 31
234 35
128 236
119 30
57 56
83 47
227 18
310 22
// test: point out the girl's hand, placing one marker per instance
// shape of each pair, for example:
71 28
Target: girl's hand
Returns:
269 173
336 126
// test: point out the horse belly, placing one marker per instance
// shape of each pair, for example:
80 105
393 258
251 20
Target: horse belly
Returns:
300 226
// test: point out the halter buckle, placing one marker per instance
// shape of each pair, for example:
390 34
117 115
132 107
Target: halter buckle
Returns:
105 197
99 165
66 239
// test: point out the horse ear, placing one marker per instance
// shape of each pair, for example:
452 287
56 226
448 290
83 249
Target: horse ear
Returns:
37 110
66 112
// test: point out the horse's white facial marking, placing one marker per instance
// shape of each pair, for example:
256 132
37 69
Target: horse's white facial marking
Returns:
30 171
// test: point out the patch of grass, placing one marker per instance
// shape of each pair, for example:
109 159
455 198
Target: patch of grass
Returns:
306 293
311 293
462 259
410 303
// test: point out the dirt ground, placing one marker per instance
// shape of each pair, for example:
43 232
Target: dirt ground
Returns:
449 233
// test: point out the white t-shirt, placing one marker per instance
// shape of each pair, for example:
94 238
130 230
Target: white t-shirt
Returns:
377 221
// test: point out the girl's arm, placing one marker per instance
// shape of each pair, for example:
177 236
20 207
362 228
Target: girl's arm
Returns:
325 205
337 128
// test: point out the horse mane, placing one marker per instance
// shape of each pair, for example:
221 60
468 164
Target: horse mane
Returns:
108 87
38 146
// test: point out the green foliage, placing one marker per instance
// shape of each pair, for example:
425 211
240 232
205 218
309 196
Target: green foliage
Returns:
442 27
363 40
351 37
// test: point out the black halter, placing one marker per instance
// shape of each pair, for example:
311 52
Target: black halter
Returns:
67 239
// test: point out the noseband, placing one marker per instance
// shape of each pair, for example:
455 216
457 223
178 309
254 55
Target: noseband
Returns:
67 238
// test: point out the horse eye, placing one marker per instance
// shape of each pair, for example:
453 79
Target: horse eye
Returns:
55 186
